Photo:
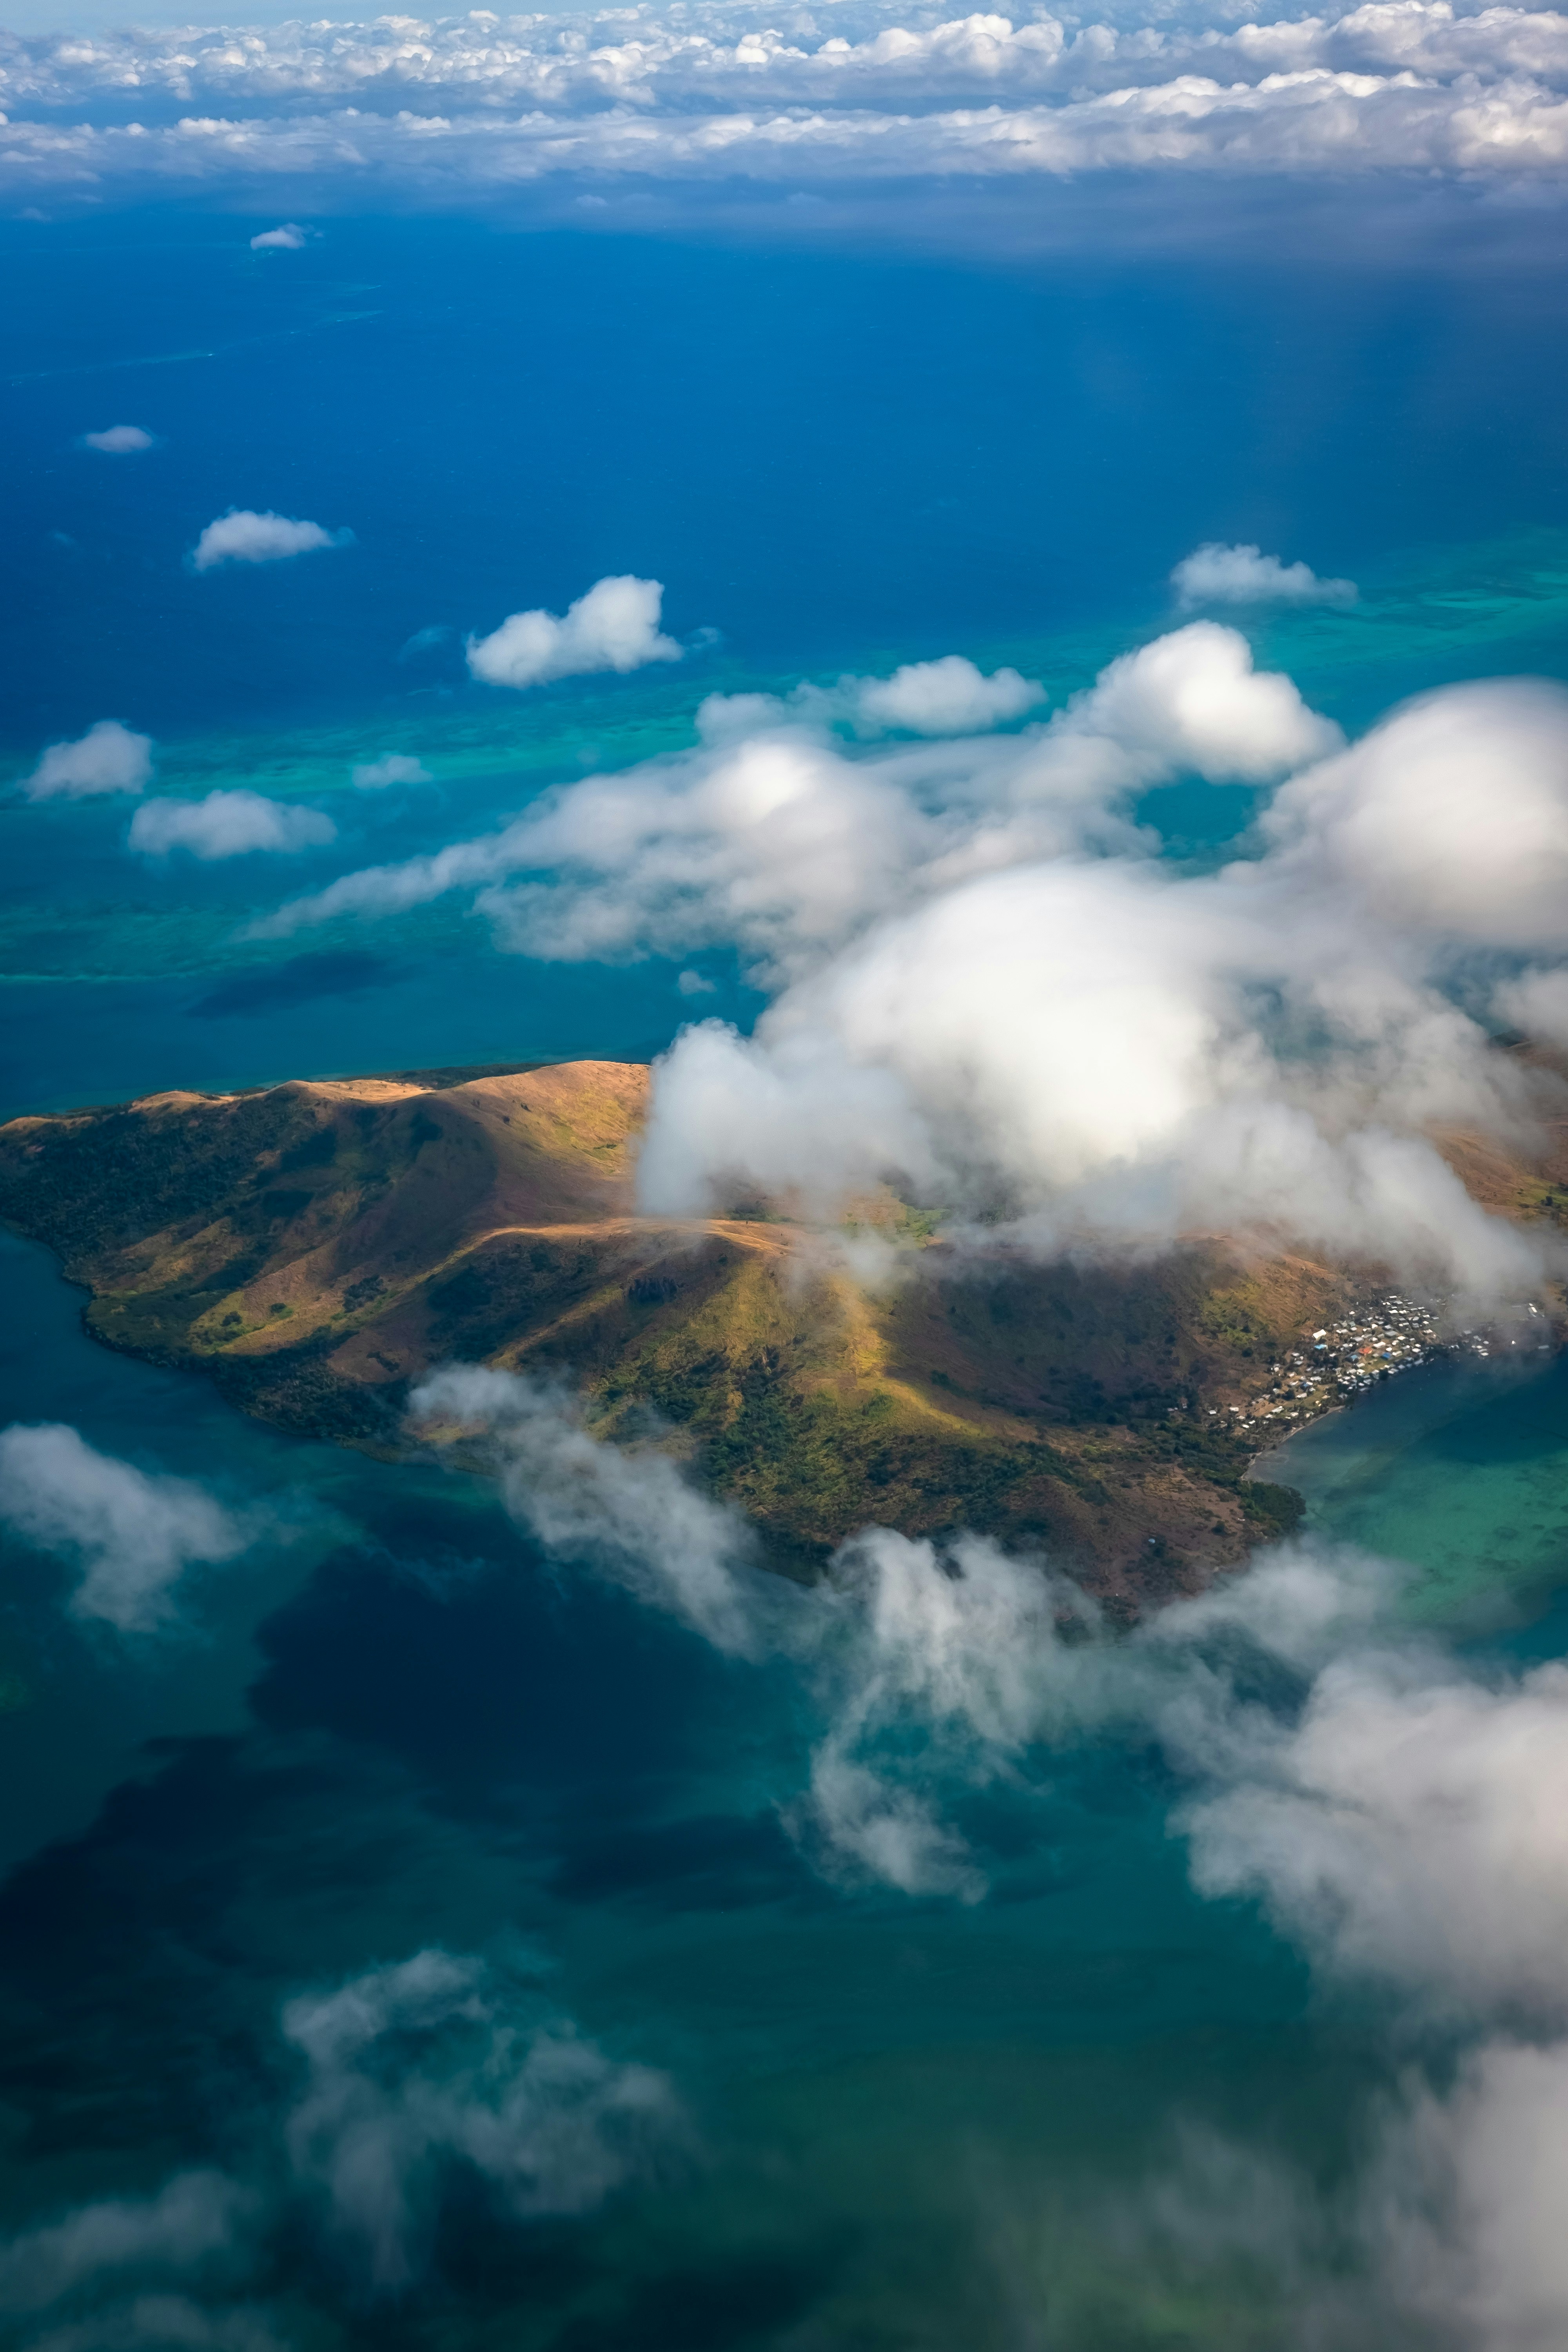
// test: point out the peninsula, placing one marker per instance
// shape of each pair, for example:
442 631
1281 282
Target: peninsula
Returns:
316 1247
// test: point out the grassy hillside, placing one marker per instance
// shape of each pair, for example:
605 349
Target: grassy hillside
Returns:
315 1246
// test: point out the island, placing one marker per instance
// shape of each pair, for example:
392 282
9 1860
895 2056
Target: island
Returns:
316 1247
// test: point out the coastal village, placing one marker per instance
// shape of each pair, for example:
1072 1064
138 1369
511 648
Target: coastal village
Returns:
1337 1364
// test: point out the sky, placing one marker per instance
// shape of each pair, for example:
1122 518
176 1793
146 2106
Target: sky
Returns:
989 594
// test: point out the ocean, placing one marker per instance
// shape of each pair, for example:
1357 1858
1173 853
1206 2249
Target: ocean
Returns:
833 462
395 1725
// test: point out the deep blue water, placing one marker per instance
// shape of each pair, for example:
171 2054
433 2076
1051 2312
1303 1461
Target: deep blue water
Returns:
819 454
831 460
393 1724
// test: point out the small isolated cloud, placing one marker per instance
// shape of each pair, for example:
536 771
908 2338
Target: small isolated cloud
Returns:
613 626
108 759
1213 575
434 2062
692 983
397 768
287 239
118 440
875 1828
242 536
949 697
227 824
134 1535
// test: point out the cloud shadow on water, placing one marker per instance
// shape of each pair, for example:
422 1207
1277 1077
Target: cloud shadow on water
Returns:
271 988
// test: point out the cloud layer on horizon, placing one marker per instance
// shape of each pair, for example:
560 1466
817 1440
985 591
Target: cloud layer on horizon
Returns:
863 93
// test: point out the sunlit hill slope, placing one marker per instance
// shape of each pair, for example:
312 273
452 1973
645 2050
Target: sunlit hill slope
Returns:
316 1246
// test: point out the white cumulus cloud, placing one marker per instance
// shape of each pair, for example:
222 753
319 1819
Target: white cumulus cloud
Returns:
773 835
1193 700
287 239
108 758
132 1534
988 986
227 824
1213 575
949 697
243 536
613 626
1451 816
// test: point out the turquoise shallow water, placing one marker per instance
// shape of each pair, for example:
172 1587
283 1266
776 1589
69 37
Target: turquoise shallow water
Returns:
913 2122
910 2119
1460 1469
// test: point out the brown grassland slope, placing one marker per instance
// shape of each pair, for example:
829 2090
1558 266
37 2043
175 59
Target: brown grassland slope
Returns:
315 1246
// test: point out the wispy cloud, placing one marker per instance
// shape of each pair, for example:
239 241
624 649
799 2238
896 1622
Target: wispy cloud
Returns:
436 2061
406 2073
632 1514
132 1534
193 2218
395 768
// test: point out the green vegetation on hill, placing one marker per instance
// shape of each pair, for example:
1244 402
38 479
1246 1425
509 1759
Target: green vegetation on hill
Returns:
316 1247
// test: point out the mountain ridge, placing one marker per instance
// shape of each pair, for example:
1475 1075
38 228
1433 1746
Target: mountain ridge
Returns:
317 1246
